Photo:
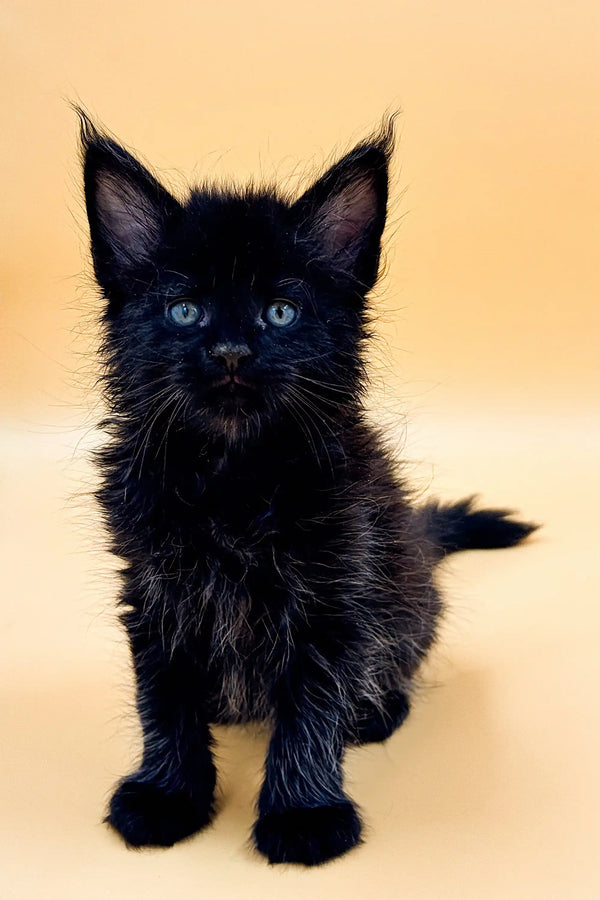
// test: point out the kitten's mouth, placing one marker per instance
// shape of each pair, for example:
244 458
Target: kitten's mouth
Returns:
231 393
231 382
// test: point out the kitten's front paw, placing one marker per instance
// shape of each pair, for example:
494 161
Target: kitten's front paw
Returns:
146 815
309 836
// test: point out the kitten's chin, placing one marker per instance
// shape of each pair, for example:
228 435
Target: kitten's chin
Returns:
234 412
234 428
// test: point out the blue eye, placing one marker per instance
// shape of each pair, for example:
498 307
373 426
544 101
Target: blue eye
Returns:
281 313
184 313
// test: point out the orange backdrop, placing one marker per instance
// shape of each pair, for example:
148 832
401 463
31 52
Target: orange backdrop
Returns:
487 366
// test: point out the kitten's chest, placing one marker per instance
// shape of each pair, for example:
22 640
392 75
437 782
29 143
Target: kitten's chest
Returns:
246 627
240 549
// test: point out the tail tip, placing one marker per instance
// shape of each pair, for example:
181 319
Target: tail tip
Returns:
460 526
509 532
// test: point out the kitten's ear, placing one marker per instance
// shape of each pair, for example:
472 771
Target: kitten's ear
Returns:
342 215
128 210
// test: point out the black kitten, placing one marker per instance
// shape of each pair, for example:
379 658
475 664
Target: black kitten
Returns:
275 568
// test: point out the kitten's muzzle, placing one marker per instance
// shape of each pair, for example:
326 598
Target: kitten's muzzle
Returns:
230 354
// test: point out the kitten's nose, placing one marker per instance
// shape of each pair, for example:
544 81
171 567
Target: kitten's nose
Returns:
231 354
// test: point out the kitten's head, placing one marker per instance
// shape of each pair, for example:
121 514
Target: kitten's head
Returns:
235 308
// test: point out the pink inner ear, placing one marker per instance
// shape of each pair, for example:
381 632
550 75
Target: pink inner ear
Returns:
345 217
127 214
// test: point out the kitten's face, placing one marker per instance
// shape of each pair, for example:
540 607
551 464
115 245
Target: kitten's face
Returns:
234 309
230 320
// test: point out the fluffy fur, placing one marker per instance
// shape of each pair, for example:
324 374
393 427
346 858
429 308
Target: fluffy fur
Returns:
275 568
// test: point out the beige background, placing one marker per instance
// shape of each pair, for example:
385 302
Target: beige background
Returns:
486 371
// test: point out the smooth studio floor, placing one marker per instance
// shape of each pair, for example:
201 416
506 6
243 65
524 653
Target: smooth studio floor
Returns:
489 791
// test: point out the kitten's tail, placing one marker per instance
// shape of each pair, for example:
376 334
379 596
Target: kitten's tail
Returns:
458 526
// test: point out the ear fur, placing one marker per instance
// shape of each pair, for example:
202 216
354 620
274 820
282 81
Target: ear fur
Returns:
342 215
128 209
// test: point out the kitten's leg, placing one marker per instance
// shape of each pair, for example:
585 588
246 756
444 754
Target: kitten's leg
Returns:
304 815
377 723
171 795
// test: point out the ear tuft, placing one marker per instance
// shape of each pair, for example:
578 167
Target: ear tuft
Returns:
88 133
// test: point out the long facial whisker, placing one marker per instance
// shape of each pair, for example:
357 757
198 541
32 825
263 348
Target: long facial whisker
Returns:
330 386
145 433
178 410
328 421
307 398
296 414
308 419
133 395
149 401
